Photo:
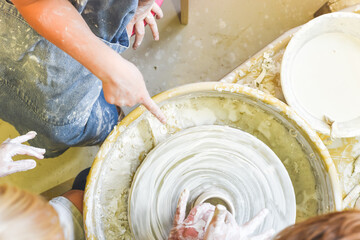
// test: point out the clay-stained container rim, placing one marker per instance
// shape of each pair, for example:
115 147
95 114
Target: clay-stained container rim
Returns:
89 224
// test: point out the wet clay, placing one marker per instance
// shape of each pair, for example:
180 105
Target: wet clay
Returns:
224 161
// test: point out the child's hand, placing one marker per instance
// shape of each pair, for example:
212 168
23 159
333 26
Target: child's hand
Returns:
224 226
207 222
194 226
126 87
11 147
143 13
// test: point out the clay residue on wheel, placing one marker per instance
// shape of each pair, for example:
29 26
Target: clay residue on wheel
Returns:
184 112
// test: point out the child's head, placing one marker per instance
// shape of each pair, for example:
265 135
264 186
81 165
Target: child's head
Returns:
334 226
26 216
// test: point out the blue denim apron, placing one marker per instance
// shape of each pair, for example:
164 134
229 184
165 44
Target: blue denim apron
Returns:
44 89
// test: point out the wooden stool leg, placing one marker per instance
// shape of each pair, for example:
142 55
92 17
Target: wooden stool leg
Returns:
184 12
335 5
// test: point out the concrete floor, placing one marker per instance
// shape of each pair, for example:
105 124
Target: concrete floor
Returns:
219 37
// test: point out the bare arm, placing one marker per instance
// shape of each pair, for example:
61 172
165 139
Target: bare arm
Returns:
76 197
60 23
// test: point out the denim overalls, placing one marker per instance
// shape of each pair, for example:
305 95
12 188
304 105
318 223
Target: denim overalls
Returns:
44 89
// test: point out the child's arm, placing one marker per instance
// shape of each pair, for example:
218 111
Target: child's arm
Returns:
60 23
76 197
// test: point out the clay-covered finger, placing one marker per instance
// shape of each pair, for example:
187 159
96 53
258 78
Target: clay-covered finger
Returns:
21 165
209 212
250 226
219 215
209 219
154 109
198 212
157 10
24 138
153 26
181 208
139 34
30 151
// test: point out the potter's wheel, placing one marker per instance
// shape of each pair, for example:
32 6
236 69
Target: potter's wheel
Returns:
312 172
216 164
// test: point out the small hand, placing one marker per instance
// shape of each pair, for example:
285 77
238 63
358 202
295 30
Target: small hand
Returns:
223 226
126 87
11 147
143 13
193 227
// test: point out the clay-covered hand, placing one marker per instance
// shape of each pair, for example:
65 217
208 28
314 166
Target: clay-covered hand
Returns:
11 147
194 226
223 226
143 13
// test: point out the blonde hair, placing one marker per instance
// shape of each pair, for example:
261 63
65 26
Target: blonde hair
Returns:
334 226
25 216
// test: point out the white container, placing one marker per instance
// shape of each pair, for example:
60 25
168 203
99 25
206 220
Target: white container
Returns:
320 74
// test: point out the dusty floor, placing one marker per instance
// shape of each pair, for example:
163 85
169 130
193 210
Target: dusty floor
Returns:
218 38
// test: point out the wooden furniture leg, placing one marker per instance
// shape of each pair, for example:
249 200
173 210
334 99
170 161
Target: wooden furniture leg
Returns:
184 12
335 5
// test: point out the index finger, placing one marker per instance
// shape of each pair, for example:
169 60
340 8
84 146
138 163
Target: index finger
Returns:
154 109
139 34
